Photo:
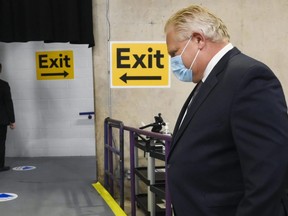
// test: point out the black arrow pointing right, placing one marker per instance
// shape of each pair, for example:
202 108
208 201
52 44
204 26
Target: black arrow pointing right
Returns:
64 74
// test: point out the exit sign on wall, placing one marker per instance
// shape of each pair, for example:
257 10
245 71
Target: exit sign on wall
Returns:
139 64
52 65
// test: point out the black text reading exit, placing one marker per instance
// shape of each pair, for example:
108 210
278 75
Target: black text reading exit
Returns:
139 60
59 62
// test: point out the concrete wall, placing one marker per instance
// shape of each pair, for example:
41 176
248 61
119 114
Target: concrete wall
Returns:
258 28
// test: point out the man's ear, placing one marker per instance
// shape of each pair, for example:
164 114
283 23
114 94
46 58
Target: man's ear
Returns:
200 39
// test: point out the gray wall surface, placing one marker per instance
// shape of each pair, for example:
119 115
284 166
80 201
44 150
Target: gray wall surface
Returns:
258 28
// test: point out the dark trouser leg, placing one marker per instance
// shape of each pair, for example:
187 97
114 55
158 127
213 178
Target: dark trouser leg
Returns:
3 132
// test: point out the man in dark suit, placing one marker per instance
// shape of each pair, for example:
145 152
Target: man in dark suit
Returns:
229 153
7 117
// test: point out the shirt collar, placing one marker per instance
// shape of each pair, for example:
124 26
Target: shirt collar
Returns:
215 60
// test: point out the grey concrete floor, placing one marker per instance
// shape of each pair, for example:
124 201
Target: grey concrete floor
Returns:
59 186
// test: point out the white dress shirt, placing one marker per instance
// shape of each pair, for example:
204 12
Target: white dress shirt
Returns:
209 68
215 60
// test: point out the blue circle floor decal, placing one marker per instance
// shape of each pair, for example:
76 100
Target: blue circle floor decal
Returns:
24 168
7 197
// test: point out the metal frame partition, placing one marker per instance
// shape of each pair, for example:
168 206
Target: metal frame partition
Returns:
167 140
108 162
109 151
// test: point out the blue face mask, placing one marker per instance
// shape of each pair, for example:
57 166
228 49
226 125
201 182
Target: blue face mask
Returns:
179 70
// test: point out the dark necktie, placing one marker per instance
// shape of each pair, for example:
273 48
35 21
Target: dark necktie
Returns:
195 93
190 103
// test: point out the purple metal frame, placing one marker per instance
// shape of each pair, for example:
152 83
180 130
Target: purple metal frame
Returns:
108 160
109 150
167 140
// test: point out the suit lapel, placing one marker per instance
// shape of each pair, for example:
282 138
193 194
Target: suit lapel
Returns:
182 112
206 88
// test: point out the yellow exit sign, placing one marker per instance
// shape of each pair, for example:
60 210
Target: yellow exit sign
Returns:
53 65
139 64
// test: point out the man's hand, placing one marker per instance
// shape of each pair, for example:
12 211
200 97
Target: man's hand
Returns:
12 125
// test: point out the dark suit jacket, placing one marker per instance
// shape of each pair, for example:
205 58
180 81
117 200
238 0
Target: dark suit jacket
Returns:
230 155
6 105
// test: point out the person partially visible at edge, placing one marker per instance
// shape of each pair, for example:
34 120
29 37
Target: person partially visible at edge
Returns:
229 151
7 118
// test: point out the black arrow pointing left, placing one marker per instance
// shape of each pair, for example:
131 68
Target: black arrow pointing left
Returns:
64 74
124 77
